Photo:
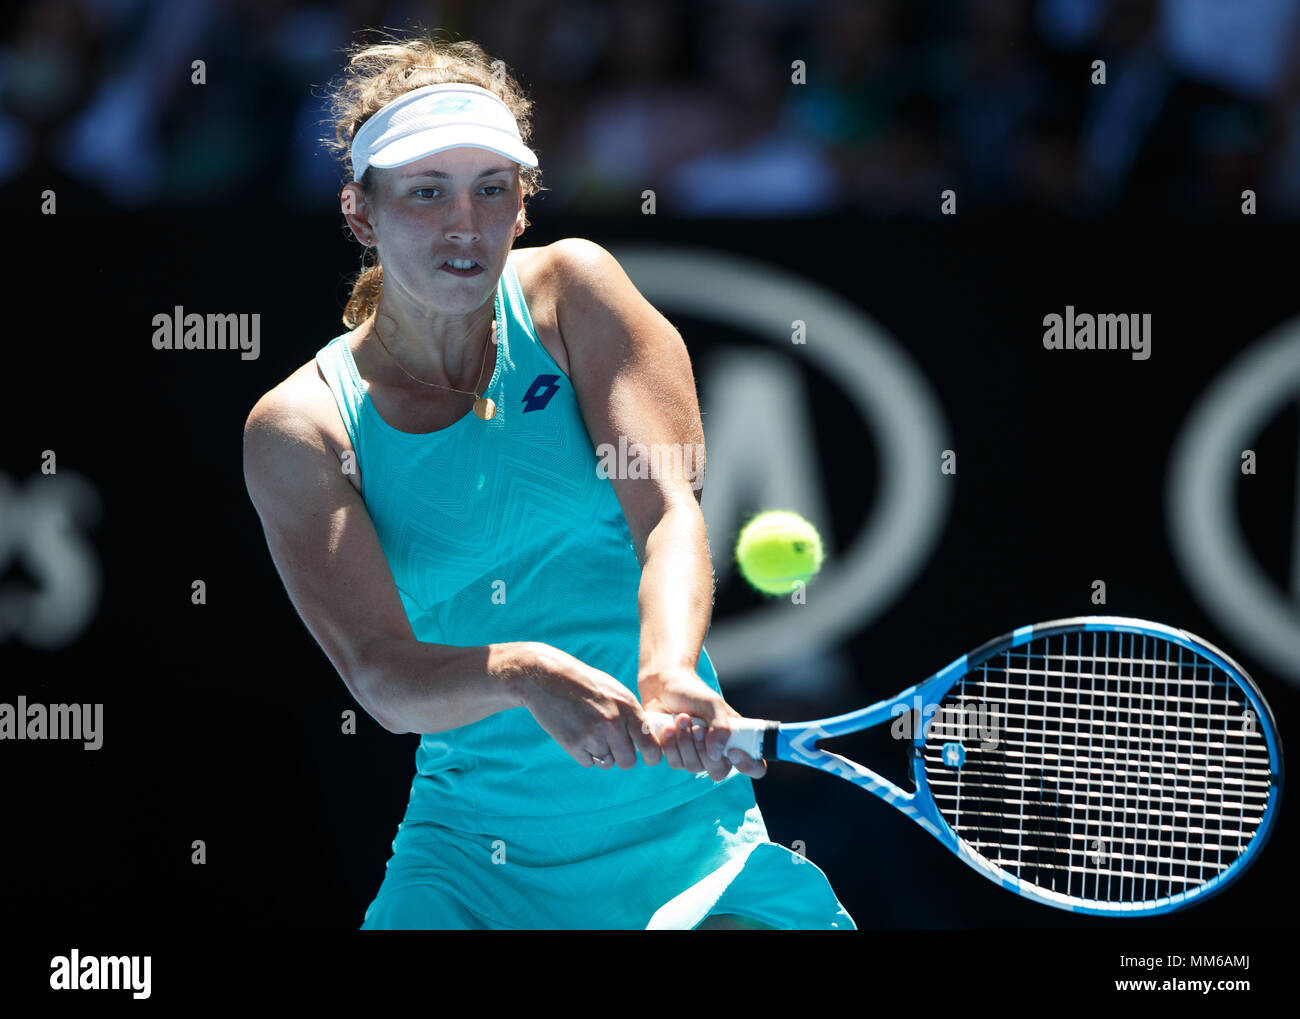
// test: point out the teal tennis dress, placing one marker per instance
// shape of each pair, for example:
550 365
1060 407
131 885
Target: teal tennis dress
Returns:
503 530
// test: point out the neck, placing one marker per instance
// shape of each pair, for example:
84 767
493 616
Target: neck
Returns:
441 349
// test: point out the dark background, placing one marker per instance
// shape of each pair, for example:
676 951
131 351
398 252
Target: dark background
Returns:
222 720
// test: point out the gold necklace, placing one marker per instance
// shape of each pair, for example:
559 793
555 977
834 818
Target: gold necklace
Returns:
484 407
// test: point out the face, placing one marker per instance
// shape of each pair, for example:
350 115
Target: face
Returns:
461 205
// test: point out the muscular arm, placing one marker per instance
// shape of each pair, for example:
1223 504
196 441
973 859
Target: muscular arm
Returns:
675 599
329 557
633 378
327 551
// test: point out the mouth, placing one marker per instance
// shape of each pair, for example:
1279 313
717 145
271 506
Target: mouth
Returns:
463 267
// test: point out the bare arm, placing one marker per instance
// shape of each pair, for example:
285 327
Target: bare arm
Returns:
633 378
328 554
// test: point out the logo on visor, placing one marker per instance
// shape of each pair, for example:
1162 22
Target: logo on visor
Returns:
451 104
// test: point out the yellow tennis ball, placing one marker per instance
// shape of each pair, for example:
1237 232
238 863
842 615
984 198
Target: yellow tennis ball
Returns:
776 549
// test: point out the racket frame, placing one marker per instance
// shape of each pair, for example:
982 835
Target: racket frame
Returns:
796 742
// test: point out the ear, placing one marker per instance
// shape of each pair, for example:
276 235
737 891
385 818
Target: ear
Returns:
521 221
352 202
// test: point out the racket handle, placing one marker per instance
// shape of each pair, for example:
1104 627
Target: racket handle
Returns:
746 733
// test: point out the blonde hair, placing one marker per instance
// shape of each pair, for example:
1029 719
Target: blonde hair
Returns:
376 75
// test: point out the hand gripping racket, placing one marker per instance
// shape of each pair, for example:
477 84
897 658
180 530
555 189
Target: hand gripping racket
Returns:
1097 764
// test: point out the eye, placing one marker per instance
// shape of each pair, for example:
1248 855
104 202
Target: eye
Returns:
493 188
418 191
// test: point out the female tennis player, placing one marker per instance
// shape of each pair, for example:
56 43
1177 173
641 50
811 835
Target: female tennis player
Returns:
429 489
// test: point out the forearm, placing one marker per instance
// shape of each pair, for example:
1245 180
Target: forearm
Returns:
410 686
675 599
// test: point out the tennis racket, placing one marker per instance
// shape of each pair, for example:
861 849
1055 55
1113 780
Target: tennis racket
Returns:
1097 764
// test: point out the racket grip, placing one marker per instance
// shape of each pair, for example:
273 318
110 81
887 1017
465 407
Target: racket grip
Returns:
746 733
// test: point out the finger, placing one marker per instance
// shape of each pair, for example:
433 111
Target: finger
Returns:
672 753
688 745
602 758
718 768
716 714
716 738
620 745
746 765
645 740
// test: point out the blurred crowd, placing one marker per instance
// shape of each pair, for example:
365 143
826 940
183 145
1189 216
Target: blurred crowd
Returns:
902 99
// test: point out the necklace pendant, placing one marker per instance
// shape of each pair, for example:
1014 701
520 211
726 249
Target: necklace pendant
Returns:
485 408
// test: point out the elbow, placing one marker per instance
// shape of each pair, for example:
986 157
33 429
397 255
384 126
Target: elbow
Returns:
378 708
386 721
367 683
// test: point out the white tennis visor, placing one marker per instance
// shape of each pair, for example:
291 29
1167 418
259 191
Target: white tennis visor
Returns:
435 118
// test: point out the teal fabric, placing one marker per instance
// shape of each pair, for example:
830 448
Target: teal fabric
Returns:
503 530
708 856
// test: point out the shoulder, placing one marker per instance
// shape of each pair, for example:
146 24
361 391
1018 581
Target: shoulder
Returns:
298 416
582 287
566 285
573 262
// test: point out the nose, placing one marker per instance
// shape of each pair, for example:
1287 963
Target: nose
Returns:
461 224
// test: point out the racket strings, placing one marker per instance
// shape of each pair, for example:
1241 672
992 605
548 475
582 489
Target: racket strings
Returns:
1111 766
